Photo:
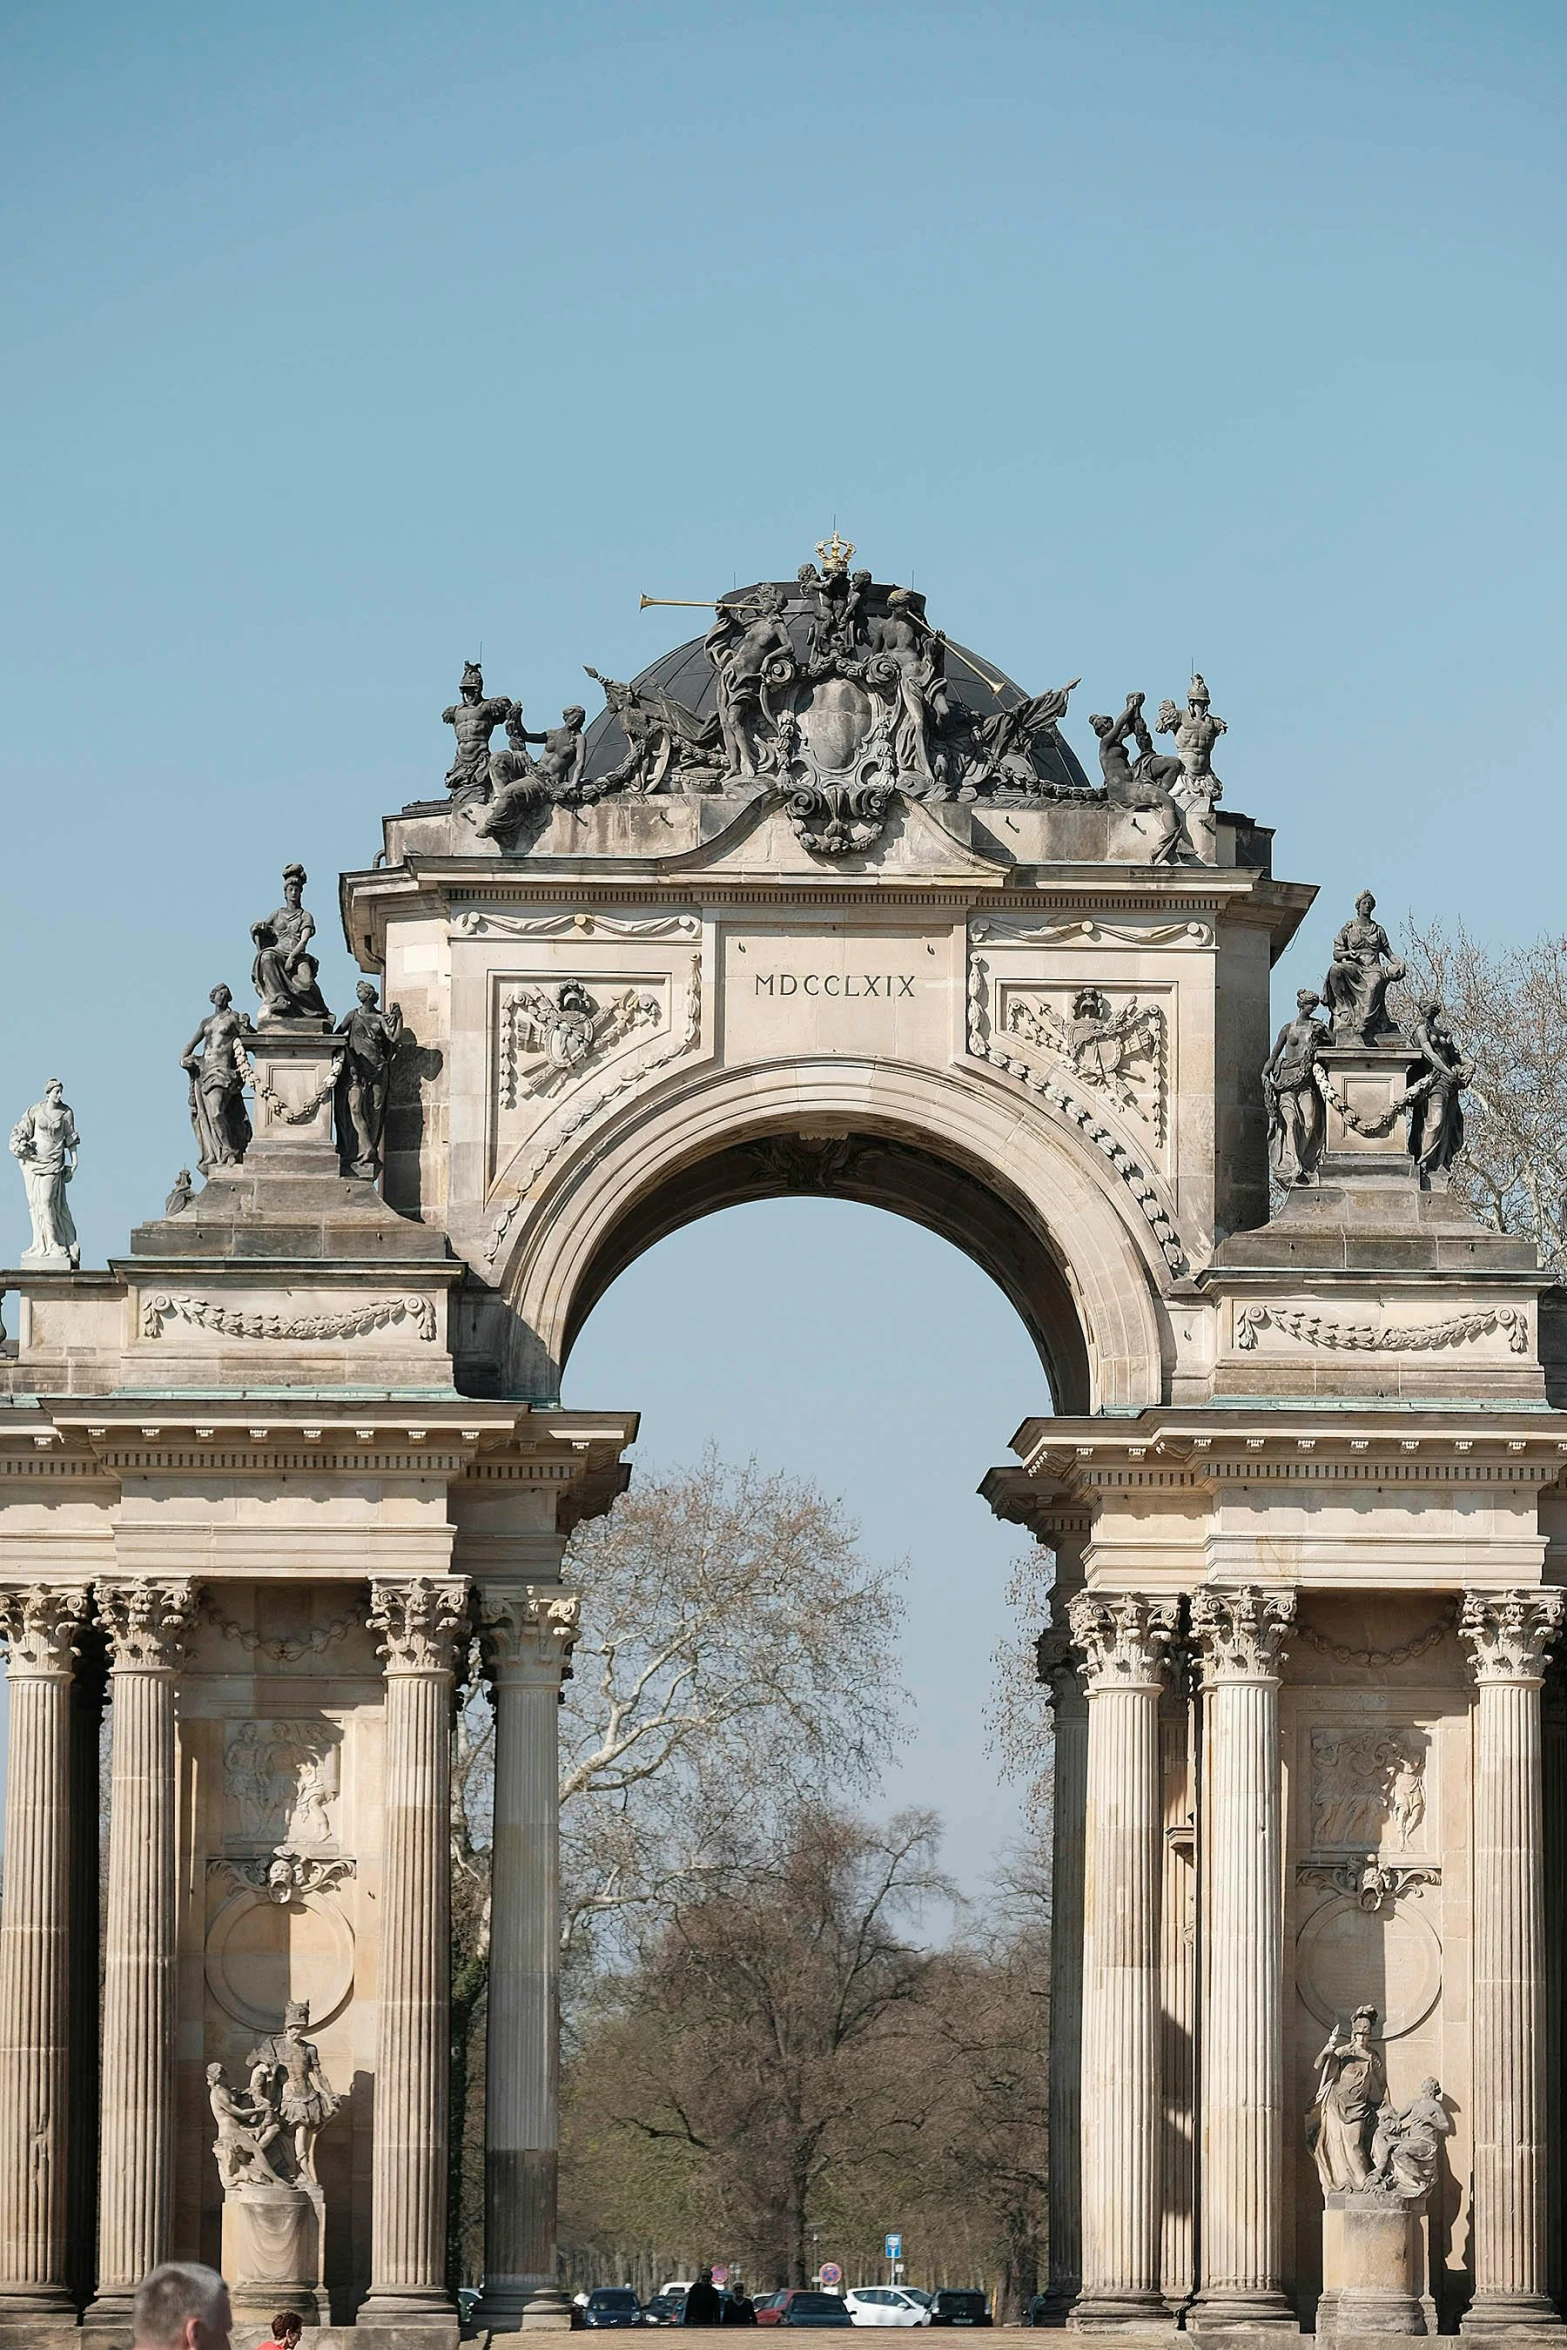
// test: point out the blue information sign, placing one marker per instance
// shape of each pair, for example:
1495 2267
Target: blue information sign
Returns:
894 2247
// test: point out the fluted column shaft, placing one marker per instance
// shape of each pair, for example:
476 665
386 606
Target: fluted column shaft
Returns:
145 1622
528 1636
1066 1972
421 1623
1507 1634
1239 1637
40 1628
1122 1637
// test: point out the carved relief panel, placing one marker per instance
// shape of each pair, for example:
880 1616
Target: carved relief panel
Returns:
281 1786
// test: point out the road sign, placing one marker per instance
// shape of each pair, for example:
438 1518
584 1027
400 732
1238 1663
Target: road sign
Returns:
721 2274
894 2247
830 2273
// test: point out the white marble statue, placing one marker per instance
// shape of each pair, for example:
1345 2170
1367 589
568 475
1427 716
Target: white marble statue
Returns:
44 1142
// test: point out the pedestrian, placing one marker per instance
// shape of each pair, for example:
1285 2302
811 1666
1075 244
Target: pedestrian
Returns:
181 2306
287 2327
704 2303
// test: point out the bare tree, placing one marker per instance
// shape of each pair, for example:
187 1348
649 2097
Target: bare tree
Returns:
1509 1011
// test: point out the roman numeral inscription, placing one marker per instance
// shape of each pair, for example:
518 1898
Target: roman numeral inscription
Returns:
890 985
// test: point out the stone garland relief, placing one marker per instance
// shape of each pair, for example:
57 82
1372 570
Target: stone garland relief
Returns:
1004 1052
582 924
1323 1330
377 1313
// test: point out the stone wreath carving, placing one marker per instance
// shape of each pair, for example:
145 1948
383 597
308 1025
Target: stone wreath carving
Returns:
377 1313
984 1046
637 1074
279 1108
1398 1338
568 1029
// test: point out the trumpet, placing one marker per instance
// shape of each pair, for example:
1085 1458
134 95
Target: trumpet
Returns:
686 603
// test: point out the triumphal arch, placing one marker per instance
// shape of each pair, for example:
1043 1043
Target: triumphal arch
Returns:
820 902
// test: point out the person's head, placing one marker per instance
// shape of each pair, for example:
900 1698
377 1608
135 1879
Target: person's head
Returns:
1430 1008
860 579
287 2327
54 1089
1430 2086
1197 694
181 2306
573 717
366 994
1365 905
472 682
295 2017
214 2075
221 996
294 879
1101 725
704 2276
1307 1001
1365 2022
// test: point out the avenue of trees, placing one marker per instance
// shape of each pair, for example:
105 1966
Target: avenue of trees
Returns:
764 2057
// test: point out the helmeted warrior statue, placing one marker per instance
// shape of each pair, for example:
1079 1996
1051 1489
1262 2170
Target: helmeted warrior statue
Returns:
286 2075
475 717
1196 730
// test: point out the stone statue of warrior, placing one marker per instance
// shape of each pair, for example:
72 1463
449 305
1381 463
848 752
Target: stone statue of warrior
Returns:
475 719
369 1040
301 2095
284 972
1351 2091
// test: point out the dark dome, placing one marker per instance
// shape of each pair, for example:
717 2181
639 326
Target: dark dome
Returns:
686 675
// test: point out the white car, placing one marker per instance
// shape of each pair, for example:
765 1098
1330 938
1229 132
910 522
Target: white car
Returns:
885 2305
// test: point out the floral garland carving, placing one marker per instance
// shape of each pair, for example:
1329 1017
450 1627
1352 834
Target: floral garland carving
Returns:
983 1045
377 1313
275 1102
315 1642
628 1079
1372 1128
1376 1659
1399 1338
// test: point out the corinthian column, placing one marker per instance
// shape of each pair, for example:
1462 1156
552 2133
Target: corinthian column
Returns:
1238 1637
1059 1674
1122 1637
40 1628
528 1638
145 1623
1507 1634
423 1624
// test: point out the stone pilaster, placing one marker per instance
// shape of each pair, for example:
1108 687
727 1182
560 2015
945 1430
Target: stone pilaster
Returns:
1065 2191
41 1628
1122 1637
1507 1634
145 1622
1238 1636
529 1633
424 1628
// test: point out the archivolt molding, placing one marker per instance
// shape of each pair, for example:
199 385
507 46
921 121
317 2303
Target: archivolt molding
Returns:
1002 1053
943 1112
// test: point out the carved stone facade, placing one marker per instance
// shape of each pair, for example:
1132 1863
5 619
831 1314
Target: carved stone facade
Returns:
820 902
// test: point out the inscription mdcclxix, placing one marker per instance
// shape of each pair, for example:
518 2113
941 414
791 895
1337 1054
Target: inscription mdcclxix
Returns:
891 986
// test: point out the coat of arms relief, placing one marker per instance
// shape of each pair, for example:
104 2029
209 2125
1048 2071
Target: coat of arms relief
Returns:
1113 1042
551 1031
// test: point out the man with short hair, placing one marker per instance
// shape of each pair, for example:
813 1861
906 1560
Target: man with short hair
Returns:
181 2306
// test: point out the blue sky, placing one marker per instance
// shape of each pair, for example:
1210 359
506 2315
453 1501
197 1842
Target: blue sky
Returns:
342 340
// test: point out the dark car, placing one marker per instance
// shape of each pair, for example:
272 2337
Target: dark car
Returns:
954 2308
800 2306
612 2305
663 2309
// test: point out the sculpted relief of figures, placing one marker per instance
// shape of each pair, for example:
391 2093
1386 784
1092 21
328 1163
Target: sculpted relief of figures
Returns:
834 691
1367 1787
281 1784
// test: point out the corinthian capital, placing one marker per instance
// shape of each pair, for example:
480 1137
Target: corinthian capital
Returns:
1508 1632
1123 1637
529 1634
146 1623
423 1623
1240 1635
40 1628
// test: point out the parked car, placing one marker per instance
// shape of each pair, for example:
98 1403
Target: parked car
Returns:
886 2305
612 2305
919 2294
664 2308
802 2305
955 2307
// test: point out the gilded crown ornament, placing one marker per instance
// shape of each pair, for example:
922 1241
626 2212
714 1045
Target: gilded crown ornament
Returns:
835 553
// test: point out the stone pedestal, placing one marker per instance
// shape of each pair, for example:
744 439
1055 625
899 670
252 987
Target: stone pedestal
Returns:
1373 2265
1366 1141
145 1622
274 2248
294 1076
1122 1637
528 1636
421 1622
1239 1635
